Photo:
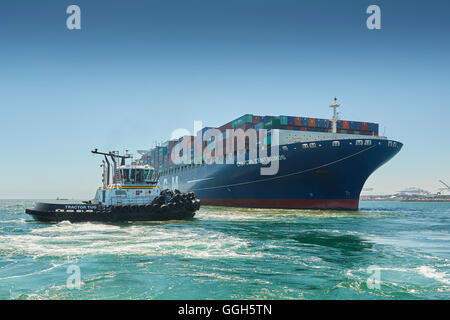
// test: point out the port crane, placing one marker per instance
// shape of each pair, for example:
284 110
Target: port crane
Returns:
447 187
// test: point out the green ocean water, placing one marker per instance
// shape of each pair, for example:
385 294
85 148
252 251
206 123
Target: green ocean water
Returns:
386 250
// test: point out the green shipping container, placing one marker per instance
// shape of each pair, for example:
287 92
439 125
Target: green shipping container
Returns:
246 118
273 123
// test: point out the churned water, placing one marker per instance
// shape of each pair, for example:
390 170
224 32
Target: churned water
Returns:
386 250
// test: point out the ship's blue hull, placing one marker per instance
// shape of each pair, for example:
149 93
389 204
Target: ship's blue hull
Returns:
325 177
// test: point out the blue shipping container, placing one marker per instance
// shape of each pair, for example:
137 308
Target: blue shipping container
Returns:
305 122
291 121
372 127
322 123
354 125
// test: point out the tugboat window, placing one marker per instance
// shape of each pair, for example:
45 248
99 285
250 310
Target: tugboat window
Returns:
148 173
132 175
126 175
139 176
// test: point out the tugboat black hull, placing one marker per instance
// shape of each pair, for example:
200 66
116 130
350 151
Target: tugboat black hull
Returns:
47 212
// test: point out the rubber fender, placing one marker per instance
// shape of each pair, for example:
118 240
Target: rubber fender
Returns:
179 205
191 205
176 198
160 200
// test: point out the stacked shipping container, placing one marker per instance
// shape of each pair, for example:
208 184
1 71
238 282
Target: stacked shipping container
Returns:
159 157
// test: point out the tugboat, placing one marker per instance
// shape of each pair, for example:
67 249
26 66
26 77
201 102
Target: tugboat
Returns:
133 195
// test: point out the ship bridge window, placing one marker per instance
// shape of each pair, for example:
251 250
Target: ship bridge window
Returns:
312 145
305 146
367 142
359 142
336 144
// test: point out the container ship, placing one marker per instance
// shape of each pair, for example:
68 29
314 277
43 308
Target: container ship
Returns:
322 163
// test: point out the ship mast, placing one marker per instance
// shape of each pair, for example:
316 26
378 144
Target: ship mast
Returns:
335 118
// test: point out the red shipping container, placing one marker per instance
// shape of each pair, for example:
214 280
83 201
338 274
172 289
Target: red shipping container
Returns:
350 131
303 128
224 127
312 122
298 121
245 126
290 127
364 126
369 133
345 124
256 119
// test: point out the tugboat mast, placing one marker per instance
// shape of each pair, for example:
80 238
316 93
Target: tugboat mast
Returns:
113 155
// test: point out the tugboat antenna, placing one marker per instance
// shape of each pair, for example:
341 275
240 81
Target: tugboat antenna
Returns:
112 154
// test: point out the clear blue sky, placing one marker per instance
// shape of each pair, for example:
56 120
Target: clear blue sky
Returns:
138 69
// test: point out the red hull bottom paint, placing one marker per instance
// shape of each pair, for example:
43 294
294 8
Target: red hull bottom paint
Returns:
347 204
